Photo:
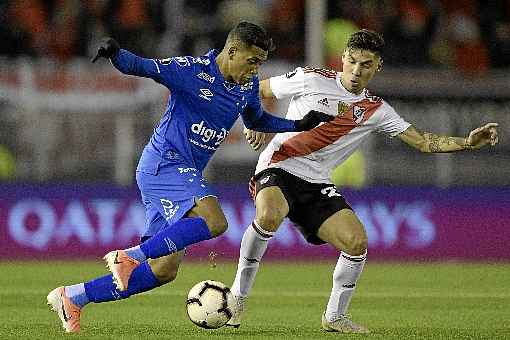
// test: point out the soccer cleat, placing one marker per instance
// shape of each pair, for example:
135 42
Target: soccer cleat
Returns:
343 325
67 311
121 265
237 311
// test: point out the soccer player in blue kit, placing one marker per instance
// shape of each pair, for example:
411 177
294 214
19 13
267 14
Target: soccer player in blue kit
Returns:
207 95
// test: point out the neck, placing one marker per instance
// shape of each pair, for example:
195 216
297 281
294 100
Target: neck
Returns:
222 62
349 90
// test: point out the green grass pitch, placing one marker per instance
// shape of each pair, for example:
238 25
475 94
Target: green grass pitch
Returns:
396 301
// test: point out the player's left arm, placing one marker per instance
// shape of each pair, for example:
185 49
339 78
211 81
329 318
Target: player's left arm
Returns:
431 143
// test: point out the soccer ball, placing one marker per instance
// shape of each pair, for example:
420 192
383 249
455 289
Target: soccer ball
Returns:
210 304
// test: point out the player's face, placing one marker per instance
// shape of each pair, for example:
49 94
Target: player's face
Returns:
359 66
245 62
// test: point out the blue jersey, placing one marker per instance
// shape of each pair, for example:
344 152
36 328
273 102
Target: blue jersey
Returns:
202 108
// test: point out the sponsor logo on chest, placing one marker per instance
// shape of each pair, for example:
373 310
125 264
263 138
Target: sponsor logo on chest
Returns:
206 133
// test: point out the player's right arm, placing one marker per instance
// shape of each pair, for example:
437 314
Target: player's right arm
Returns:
163 71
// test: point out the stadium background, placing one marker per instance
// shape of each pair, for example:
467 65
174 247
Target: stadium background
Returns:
71 132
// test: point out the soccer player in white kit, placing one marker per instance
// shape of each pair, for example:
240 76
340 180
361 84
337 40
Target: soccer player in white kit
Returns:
292 178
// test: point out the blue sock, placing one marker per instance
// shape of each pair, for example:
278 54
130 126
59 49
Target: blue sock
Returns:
176 237
77 294
136 253
103 289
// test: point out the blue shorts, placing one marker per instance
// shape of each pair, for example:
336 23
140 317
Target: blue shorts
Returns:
169 193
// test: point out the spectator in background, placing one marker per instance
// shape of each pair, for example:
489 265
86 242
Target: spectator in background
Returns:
409 33
201 28
63 28
7 164
336 34
138 23
29 20
495 29
14 38
469 51
286 23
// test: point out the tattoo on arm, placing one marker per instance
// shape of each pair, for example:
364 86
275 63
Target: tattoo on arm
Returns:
437 143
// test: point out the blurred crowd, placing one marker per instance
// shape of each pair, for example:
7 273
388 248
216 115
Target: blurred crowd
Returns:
470 35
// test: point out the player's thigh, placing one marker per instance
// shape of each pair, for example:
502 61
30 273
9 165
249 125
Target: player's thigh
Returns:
271 208
345 232
210 210
165 268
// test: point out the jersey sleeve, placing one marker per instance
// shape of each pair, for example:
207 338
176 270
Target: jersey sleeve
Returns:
254 117
253 110
168 72
391 123
289 84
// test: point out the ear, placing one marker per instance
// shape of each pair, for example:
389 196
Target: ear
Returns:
232 51
379 67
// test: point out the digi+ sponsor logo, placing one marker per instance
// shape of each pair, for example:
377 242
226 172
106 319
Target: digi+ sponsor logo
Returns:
207 134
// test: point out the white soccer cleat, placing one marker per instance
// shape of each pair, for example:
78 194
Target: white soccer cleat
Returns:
237 311
67 311
343 324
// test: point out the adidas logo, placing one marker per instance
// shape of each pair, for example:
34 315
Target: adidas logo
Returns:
324 101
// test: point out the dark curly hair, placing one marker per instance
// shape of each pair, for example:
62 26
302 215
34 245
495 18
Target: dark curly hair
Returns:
251 35
366 40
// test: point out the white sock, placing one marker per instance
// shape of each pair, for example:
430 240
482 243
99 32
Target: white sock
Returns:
347 271
253 247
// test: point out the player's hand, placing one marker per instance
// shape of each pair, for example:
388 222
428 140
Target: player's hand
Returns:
107 49
255 138
311 120
483 135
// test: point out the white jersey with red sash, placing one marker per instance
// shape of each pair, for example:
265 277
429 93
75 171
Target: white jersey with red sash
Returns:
312 155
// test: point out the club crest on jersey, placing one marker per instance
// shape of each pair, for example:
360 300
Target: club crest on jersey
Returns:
206 94
342 108
358 113
246 87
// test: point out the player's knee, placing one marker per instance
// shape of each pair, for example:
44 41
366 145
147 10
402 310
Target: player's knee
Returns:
217 225
270 218
356 245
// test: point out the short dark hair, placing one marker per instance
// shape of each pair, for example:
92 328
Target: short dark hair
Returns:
251 34
366 40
